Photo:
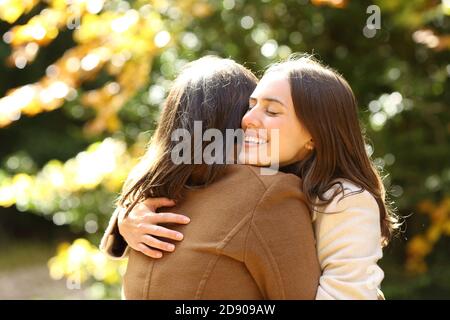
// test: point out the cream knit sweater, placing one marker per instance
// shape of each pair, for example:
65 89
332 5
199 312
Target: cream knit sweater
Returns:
348 236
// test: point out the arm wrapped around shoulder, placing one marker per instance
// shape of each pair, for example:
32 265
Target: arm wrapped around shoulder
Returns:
280 247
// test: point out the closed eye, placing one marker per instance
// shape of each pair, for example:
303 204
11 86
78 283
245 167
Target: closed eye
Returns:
270 113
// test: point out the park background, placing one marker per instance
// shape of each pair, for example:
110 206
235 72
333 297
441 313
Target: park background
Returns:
82 82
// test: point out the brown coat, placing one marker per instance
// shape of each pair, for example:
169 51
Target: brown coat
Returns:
250 237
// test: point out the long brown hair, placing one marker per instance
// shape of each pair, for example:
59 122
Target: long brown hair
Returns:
325 104
212 90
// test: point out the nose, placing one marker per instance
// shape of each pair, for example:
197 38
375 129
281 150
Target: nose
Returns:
252 119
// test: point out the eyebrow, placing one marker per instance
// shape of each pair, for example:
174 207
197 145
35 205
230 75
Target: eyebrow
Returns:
271 99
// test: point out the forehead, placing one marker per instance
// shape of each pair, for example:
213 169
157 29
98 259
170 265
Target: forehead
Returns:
273 84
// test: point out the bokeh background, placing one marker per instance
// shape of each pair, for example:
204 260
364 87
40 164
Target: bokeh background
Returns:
82 82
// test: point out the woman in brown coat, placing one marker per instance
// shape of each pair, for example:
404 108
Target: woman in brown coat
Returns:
250 235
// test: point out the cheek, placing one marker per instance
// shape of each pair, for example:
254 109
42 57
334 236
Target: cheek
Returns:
285 125
292 138
286 137
271 123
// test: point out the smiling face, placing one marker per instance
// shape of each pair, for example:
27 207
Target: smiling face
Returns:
273 132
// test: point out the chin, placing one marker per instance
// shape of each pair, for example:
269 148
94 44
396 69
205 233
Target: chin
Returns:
253 160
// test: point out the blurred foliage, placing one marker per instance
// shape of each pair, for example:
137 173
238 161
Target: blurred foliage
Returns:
82 262
103 67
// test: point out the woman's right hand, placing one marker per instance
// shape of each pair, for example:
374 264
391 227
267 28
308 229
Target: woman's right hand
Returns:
140 226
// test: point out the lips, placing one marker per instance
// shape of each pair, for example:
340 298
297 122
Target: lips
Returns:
254 140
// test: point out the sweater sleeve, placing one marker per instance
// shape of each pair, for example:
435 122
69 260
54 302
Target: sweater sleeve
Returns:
280 251
112 242
349 245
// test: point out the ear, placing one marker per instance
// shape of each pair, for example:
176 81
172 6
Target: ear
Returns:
309 145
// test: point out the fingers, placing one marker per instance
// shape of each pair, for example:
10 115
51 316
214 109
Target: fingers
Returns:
159 231
155 203
149 252
168 217
157 244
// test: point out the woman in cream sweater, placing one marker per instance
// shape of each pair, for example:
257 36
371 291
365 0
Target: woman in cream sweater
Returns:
318 137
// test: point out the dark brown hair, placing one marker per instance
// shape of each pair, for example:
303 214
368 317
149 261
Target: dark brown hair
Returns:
212 90
326 106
